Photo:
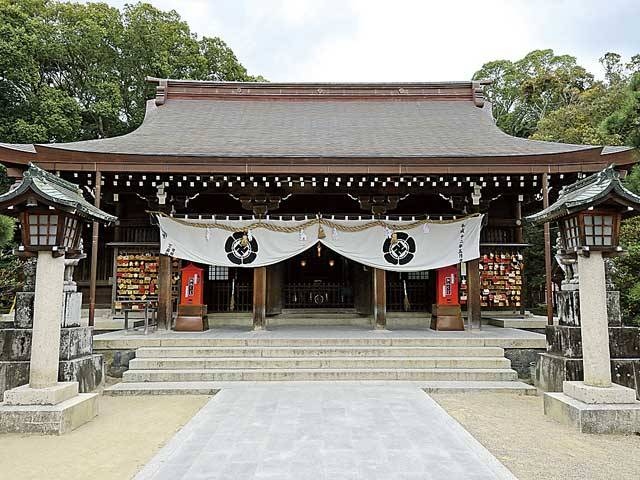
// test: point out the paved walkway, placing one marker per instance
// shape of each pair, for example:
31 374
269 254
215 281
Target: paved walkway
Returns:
309 431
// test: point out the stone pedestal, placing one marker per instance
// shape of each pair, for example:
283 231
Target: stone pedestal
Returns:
55 419
593 417
44 405
594 405
563 359
77 361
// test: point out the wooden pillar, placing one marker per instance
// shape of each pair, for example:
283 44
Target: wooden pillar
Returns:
259 297
165 310
519 227
474 313
547 251
95 235
380 298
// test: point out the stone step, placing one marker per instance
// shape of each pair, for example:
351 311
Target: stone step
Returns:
327 351
413 374
317 362
211 388
378 339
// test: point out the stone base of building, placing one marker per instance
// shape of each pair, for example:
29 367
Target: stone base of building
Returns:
49 419
593 417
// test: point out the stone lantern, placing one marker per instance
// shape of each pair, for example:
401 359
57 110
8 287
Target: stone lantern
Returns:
588 214
51 212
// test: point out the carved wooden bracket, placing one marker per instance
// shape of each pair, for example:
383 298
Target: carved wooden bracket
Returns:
378 204
260 204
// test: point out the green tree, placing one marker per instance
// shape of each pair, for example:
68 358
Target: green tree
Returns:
581 122
624 123
73 71
525 91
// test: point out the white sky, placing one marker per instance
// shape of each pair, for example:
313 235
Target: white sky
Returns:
406 40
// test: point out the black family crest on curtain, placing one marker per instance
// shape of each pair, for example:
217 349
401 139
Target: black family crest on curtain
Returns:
399 250
240 249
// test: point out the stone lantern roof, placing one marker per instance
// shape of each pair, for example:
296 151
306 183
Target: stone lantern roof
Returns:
55 192
604 187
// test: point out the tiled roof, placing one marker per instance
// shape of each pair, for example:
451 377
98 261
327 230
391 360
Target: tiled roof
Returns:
57 191
319 128
23 147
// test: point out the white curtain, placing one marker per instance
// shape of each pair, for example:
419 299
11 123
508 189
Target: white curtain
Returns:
402 246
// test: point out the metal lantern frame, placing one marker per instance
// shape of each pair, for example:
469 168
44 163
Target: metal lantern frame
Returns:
591 229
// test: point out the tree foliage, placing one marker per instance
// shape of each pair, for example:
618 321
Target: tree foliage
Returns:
524 91
73 71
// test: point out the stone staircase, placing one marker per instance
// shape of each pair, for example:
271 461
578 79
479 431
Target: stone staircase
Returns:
190 361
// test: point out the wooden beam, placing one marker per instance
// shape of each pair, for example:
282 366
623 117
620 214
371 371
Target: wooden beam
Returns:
547 251
165 310
474 313
259 298
380 298
95 236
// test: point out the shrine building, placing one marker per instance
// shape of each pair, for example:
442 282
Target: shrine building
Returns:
312 163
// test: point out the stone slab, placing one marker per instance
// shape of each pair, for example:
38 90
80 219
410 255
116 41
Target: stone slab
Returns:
15 344
13 374
211 388
599 395
87 371
53 395
592 418
71 309
49 419
322 432
24 309
75 342
624 342
526 322
488 336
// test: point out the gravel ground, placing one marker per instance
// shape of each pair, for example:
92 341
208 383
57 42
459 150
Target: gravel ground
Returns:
534 447
115 445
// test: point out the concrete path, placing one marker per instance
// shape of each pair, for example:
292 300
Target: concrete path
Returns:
310 431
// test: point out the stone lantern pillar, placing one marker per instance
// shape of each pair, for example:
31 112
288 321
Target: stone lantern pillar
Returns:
51 213
589 214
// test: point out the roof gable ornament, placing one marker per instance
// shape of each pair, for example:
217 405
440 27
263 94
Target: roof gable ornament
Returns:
478 92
